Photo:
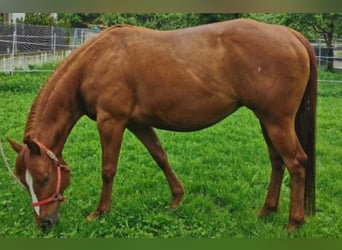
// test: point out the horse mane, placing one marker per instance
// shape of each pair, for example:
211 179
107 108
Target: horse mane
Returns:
45 92
37 106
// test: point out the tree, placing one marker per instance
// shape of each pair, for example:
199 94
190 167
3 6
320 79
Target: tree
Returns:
77 20
326 25
39 19
162 21
205 18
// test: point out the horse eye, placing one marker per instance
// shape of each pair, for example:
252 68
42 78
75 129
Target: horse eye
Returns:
43 181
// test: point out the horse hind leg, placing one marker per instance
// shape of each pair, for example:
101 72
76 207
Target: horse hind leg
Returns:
285 141
150 140
277 163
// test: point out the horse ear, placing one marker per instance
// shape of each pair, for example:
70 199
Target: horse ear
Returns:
16 146
33 147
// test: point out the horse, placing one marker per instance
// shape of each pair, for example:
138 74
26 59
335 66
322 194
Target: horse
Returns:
141 79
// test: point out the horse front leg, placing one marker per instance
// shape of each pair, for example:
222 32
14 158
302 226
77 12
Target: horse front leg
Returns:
111 133
151 141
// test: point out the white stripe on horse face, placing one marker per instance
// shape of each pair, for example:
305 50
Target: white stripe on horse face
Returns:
29 181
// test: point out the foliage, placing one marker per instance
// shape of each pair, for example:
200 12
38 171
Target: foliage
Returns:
326 25
163 21
312 25
204 18
39 19
225 171
78 20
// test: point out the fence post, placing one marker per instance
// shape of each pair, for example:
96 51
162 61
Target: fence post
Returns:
83 36
51 37
54 47
74 39
319 52
14 43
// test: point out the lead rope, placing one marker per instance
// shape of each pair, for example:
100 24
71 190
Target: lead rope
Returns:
9 168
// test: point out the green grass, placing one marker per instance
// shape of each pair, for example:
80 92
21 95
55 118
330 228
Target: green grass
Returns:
224 169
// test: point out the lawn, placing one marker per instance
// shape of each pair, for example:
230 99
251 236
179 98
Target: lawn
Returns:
224 169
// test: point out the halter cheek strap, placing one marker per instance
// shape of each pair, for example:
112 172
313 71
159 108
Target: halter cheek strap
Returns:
57 196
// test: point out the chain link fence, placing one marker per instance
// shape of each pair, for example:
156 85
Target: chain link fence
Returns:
24 45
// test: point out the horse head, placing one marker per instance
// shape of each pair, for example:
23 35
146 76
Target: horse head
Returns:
45 178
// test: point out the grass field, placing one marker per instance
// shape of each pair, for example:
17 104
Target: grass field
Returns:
224 169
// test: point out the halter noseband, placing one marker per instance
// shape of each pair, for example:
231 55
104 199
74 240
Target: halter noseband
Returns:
57 196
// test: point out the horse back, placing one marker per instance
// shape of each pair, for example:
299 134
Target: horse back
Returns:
199 75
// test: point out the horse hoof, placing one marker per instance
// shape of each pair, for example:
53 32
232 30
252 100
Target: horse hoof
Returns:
265 211
291 227
294 225
176 199
174 204
93 215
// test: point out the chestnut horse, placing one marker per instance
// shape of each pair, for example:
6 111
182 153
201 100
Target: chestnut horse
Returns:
182 80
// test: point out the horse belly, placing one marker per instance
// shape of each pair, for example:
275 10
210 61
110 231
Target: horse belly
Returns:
184 115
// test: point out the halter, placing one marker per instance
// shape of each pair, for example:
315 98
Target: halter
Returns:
57 196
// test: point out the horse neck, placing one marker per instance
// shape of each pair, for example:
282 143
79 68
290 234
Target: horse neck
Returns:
54 112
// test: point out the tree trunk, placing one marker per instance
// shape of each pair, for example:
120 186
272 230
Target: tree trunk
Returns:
330 59
328 36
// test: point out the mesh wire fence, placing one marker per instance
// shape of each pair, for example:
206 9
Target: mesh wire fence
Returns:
20 42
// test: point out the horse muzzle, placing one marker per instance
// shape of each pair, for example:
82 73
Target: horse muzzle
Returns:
46 223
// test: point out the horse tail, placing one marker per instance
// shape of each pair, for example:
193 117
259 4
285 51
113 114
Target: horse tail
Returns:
305 124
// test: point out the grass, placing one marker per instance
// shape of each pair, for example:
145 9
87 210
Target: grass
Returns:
224 169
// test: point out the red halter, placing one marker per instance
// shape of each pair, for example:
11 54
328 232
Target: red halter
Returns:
57 196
